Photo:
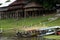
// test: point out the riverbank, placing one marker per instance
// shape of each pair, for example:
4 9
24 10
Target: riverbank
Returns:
15 38
11 26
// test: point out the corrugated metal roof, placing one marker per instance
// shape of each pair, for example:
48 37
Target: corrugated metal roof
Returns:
7 3
18 2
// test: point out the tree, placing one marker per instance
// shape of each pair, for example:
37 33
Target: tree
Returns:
47 3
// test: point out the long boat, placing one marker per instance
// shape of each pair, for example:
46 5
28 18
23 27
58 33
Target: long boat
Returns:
39 32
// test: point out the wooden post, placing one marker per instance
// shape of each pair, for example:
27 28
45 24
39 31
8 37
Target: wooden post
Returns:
0 15
31 13
39 12
17 14
25 14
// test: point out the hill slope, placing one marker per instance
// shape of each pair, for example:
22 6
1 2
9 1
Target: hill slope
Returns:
28 22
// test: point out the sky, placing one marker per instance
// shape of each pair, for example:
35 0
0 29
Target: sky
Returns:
4 2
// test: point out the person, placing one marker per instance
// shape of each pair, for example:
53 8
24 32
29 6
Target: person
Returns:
0 34
18 34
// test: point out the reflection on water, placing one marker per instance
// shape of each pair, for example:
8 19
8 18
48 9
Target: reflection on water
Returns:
31 38
15 38
6 38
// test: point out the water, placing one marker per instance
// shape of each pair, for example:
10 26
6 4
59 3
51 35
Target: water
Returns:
29 38
6 38
15 38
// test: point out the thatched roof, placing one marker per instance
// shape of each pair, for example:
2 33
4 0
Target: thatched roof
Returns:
18 2
7 4
32 4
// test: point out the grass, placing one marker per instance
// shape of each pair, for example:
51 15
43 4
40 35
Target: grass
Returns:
53 37
54 23
10 23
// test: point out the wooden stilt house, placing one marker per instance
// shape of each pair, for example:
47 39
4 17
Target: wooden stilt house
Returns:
21 8
33 9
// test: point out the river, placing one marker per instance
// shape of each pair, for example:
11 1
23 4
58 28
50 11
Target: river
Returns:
15 38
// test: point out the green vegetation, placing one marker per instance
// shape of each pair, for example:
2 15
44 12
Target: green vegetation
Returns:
31 21
54 23
57 37
9 23
48 4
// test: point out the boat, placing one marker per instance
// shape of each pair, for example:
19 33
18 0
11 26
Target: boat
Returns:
39 32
